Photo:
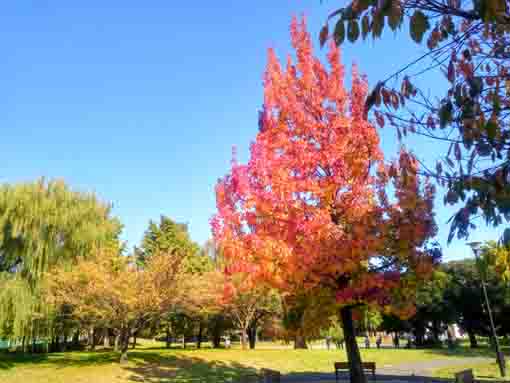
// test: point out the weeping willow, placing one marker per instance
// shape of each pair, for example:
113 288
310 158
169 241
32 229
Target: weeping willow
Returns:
42 224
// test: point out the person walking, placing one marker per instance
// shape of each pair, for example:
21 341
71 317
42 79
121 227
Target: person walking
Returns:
367 342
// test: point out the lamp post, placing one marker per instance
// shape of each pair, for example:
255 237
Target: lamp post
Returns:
475 246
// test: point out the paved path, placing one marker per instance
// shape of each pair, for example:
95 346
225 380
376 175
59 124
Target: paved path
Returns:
395 373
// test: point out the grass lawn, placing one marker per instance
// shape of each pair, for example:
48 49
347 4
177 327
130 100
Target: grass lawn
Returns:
482 371
151 363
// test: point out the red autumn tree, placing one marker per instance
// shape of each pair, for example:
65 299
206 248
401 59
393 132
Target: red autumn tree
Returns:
310 209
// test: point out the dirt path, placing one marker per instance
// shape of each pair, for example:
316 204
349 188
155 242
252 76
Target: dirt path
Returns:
397 372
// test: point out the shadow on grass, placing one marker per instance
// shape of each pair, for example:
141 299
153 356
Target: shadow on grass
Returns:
154 367
12 360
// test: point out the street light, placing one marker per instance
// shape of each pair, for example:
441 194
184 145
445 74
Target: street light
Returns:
475 246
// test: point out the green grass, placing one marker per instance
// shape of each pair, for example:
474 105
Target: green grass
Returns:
482 371
150 363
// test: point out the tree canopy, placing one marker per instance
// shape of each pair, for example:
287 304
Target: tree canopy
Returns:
468 48
41 224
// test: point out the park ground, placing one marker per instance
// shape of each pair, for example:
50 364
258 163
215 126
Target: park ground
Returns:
149 362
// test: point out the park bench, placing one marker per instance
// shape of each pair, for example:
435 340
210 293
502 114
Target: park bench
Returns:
342 367
465 376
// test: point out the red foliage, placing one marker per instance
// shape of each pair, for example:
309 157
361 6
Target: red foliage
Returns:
311 206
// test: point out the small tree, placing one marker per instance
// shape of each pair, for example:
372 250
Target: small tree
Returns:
108 290
247 305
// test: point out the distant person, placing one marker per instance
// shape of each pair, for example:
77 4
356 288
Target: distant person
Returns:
367 342
396 341
328 342
378 341
227 342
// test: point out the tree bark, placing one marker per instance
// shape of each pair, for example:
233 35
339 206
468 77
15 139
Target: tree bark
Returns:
473 343
167 335
244 339
124 346
134 339
252 336
300 341
200 334
106 338
357 374
117 342
92 339
76 339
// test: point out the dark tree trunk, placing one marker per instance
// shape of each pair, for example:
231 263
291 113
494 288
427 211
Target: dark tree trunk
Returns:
23 344
473 343
117 342
300 341
216 339
436 330
200 334
167 336
134 340
76 339
419 333
300 337
252 336
356 370
57 343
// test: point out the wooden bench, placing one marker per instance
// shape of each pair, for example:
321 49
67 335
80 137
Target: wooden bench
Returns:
368 367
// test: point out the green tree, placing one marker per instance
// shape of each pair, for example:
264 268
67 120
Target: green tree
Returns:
42 224
464 295
467 47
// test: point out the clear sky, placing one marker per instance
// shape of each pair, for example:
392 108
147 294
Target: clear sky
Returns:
142 101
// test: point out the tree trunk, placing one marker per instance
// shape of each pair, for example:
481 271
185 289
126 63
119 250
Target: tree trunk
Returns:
23 344
200 334
167 336
124 346
106 338
252 336
300 341
57 343
356 370
92 339
473 343
244 339
76 339
134 340
216 339
117 342
64 343
184 342
436 330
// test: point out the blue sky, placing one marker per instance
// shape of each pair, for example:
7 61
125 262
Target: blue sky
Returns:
142 102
